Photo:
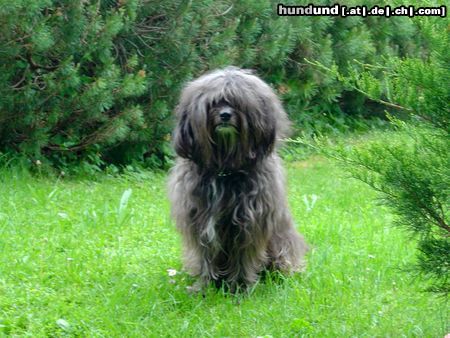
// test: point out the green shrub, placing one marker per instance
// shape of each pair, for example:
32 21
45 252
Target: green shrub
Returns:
65 96
95 83
411 171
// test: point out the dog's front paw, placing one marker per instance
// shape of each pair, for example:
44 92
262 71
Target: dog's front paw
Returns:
196 288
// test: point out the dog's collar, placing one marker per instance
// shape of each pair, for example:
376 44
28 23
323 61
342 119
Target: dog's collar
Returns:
225 173
231 173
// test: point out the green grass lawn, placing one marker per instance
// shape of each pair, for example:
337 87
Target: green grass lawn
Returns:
74 261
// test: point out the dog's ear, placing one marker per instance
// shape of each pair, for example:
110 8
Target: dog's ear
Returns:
191 138
183 138
267 142
262 129
272 124
263 140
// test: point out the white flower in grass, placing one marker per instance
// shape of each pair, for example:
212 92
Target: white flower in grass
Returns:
63 324
171 272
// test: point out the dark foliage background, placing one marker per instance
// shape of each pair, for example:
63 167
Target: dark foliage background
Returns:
94 83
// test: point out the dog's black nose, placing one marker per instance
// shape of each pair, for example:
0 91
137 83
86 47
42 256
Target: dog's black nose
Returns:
225 115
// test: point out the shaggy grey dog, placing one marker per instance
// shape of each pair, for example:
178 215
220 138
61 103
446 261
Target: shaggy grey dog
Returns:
227 186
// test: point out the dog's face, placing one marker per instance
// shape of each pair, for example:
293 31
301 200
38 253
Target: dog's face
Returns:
227 121
224 125
222 116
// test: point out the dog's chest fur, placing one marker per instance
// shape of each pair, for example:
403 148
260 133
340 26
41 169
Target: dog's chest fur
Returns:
229 216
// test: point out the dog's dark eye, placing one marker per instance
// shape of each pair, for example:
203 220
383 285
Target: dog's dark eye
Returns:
192 212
